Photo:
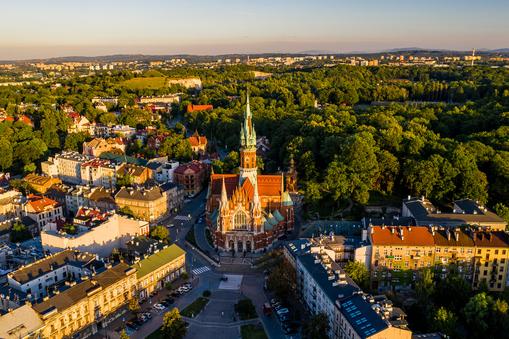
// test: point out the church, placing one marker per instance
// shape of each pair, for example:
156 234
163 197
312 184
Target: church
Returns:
247 212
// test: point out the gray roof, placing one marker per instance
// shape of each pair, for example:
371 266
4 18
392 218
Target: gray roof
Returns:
364 320
320 275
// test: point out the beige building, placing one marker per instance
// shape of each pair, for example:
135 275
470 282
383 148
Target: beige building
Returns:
148 204
10 204
42 210
21 323
97 146
88 305
157 269
100 239
66 166
480 256
137 174
99 172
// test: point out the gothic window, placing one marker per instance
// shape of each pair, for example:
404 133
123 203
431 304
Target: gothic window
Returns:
240 221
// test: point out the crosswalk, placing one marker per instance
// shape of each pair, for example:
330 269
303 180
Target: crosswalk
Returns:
201 270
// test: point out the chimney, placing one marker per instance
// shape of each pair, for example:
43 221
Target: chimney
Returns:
392 230
448 234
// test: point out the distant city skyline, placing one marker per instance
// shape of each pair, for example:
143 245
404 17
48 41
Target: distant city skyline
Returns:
34 29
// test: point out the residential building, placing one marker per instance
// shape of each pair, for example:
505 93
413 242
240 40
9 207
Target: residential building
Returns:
66 166
38 278
139 248
138 175
323 287
398 253
191 176
97 146
92 197
79 123
198 143
464 212
99 172
247 211
159 268
99 238
194 83
166 99
10 204
174 196
42 210
163 169
149 204
21 323
82 309
40 183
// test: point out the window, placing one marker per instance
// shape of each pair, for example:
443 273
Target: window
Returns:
240 221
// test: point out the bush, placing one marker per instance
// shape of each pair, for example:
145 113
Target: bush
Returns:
206 293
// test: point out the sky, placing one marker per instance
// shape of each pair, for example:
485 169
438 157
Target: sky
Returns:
40 29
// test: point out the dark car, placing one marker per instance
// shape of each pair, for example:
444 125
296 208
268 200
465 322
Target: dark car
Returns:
164 303
169 300
224 278
132 325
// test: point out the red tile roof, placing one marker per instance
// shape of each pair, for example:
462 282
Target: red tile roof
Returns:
195 166
391 235
196 108
268 185
40 203
197 140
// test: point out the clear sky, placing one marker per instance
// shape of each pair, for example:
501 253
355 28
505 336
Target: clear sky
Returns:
46 28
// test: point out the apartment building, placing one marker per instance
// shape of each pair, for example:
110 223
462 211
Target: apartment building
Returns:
463 212
82 309
159 268
92 197
22 322
149 204
399 252
10 204
324 287
98 146
138 175
99 237
66 166
99 172
191 176
42 210
38 278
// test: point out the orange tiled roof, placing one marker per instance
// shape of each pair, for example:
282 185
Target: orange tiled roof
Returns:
197 140
196 108
40 203
412 236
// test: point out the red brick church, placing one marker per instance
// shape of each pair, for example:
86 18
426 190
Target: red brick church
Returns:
247 212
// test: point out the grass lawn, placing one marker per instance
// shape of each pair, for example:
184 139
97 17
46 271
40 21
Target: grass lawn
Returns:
140 83
252 332
195 308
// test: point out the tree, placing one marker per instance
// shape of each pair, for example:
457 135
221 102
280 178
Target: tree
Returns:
134 305
173 325
425 285
502 211
19 233
6 152
358 272
124 180
476 312
317 327
283 280
160 233
123 334
445 321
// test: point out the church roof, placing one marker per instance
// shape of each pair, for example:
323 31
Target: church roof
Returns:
287 200
268 185
278 216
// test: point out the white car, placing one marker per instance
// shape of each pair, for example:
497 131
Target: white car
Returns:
159 307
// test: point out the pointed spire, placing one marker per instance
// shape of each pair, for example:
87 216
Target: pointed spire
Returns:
248 107
282 183
224 197
256 197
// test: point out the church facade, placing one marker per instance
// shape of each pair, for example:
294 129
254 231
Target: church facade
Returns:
247 212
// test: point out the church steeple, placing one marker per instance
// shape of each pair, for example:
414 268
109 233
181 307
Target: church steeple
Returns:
224 197
248 167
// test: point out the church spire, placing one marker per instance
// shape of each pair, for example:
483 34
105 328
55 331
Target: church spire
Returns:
224 197
247 133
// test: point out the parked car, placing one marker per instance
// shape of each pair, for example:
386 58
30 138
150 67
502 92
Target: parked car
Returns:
267 310
284 318
159 307
169 300
132 325
274 301
282 311
224 278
